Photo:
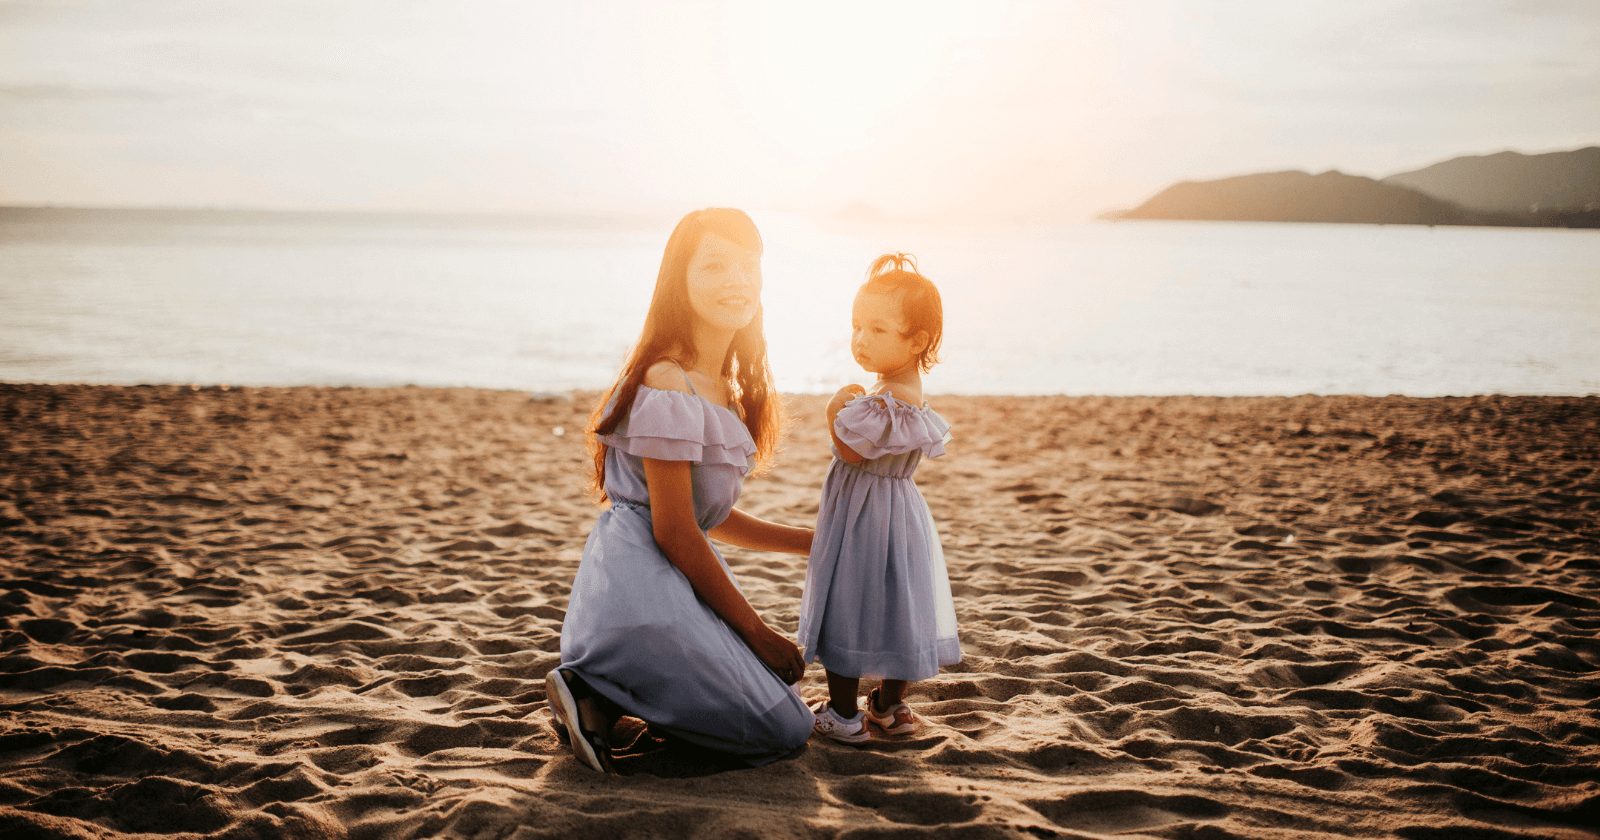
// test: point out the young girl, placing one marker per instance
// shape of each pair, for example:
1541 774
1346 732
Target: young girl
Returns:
877 597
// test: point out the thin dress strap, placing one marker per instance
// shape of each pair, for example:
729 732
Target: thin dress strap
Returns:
686 380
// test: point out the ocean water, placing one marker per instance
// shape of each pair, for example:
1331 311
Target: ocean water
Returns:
1092 308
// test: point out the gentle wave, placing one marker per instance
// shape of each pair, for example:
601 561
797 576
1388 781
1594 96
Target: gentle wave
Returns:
128 297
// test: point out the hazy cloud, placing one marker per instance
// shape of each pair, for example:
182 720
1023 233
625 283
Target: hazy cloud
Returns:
77 93
1020 108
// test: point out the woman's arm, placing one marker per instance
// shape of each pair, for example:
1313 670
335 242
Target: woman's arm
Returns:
678 534
835 405
747 531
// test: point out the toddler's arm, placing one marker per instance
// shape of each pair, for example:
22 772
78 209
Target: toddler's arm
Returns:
844 395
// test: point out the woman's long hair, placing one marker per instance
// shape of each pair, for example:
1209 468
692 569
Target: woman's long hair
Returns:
668 334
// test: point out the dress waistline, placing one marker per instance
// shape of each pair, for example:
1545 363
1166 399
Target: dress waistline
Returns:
901 470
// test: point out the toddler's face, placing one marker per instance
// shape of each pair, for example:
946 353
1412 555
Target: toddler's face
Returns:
724 282
878 334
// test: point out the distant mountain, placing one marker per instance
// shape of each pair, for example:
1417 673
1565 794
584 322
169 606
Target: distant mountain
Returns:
1303 197
1509 189
1511 182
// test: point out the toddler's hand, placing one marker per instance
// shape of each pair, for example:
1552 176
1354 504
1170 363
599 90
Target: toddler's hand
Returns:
844 395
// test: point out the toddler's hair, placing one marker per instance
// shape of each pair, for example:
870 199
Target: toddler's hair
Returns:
919 300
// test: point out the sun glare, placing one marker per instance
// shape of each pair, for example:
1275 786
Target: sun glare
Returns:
817 81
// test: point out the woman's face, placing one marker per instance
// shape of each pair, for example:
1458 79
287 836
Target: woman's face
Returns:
724 283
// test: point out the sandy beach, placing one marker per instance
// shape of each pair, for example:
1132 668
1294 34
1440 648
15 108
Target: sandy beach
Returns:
328 613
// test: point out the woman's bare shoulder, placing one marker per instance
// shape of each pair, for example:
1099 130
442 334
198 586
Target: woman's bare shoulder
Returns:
666 375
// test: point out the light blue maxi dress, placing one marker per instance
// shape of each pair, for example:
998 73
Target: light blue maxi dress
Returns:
877 596
636 632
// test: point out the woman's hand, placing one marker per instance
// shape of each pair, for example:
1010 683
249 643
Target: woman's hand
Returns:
780 654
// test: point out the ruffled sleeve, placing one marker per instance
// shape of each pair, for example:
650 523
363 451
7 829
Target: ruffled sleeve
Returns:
674 426
875 425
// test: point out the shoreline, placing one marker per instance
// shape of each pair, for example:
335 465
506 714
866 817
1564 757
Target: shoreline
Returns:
328 611
594 393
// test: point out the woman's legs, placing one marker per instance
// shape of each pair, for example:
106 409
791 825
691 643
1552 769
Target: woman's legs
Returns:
581 717
597 713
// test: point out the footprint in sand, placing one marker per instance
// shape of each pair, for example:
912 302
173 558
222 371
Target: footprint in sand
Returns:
517 529
909 807
1121 811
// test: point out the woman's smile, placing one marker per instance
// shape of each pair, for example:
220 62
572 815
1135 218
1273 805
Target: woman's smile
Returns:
724 282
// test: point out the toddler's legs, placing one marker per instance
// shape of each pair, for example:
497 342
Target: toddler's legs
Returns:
842 694
891 692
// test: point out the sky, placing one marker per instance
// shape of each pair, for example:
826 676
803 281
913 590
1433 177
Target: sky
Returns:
938 110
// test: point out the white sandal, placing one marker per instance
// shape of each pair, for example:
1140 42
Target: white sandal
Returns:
830 724
895 720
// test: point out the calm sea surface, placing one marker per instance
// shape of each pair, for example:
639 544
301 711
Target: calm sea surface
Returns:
1102 308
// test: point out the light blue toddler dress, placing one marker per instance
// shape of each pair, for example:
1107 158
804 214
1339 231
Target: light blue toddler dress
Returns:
877 597
636 632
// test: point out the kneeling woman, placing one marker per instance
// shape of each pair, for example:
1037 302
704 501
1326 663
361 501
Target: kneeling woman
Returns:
656 627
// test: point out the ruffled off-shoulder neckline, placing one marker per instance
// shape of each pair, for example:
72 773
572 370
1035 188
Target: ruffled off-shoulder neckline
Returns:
704 399
679 426
876 425
890 398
